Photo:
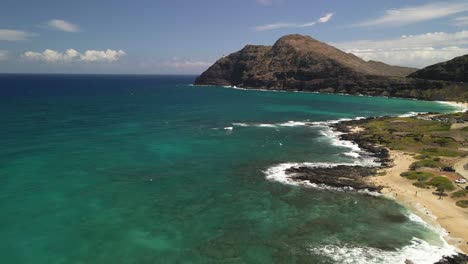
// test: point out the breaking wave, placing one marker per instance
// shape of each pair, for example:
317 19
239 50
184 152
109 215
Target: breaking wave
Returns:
418 252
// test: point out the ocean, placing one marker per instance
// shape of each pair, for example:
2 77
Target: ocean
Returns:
149 169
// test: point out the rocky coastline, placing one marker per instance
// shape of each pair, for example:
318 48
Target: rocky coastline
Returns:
357 178
347 177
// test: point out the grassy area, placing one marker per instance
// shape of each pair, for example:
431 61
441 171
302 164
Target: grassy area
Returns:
462 203
413 135
428 163
440 152
417 175
460 194
427 180
432 141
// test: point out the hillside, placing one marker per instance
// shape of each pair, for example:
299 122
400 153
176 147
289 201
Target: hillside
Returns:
294 61
301 63
453 70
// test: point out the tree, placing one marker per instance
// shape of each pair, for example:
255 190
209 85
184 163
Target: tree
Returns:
441 189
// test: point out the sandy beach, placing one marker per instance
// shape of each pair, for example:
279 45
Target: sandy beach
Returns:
463 106
423 202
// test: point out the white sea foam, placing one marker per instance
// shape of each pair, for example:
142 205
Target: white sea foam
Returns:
241 124
278 173
460 107
265 125
410 114
293 124
419 252
228 128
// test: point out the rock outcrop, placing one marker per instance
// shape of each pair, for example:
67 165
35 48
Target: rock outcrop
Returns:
301 63
295 62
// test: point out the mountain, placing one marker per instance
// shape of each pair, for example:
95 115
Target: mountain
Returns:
295 62
453 70
301 63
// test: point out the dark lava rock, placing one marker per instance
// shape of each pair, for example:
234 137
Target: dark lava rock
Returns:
339 176
455 259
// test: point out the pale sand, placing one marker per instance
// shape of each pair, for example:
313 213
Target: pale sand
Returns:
355 129
452 218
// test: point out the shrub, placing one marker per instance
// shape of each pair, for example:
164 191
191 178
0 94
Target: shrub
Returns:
462 203
424 163
417 175
459 194
441 182
442 141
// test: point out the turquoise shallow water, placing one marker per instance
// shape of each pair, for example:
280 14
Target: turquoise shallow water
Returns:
139 169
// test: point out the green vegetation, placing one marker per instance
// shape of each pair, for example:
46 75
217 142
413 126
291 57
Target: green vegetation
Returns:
431 142
423 156
428 138
440 152
462 203
417 175
442 183
460 193
428 163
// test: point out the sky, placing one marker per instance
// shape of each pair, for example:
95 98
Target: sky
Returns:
186 37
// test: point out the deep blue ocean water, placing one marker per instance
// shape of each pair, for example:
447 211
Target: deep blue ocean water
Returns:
148 169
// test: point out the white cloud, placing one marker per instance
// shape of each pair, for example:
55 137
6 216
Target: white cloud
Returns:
97 55
461 21
3 55
411 50
71 55
414 14
14 35
181 63
327 17
63 25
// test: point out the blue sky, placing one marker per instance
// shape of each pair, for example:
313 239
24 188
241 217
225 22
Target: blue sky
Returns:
163 37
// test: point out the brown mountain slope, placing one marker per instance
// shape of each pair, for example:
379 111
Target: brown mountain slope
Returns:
297 62
293 57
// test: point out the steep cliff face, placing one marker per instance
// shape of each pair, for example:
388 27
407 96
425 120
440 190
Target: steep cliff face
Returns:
294 61
297 62
453 70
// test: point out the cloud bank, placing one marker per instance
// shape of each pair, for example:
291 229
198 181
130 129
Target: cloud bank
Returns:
63 25
279 25
461 21
72 55
14 35
3 55
411 50
181 63
414 14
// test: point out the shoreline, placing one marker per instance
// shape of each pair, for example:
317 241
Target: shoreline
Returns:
463 106
438 213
